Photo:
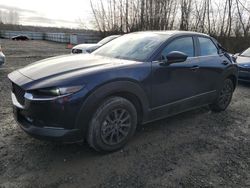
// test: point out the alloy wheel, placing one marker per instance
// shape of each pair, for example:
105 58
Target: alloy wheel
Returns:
225 95
116 126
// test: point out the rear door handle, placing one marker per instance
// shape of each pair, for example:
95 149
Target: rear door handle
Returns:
225 63
195 68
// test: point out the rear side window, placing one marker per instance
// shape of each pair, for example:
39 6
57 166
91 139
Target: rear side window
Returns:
207 47
185 45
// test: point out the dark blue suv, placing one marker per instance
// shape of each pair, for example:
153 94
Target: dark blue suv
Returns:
135 79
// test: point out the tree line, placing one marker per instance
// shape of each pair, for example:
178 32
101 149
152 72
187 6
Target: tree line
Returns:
9 17
220 18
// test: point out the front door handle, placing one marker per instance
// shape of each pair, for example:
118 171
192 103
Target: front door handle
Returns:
195 68
225 63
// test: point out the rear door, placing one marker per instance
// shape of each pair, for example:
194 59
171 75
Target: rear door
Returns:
211 64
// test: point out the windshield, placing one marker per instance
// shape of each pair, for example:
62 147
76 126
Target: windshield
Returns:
136 46
107 39
246 53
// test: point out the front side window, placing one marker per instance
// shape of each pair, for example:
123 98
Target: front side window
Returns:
185 45
207 47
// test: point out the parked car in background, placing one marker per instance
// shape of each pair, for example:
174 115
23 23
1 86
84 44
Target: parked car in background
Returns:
20 37
137 78
88 48
2 56
243 61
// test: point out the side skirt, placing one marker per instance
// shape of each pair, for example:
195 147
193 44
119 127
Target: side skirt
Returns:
180 106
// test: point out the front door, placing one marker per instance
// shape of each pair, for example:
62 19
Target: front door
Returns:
177 87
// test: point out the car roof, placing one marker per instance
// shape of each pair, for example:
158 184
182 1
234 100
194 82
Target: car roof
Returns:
174 32
113 35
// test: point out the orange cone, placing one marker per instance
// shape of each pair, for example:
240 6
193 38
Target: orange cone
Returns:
69 46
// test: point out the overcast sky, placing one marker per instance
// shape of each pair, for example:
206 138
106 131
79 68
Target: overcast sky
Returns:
59 13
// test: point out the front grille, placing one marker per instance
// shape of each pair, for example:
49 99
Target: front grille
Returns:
76 51
19 93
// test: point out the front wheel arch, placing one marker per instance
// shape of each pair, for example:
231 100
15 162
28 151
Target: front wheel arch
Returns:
134 100
105 137
127 89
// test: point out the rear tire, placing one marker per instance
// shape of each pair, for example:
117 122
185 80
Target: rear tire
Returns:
224 97
112 124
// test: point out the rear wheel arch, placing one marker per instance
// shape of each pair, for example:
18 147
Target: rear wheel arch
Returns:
233 78
224 97
231 73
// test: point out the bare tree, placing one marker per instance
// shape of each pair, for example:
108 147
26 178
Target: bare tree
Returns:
222 18
244 24
185 14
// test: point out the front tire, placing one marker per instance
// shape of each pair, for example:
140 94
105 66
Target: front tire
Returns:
224 97
112 124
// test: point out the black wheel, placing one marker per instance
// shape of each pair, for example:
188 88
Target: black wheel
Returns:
113 123
224 97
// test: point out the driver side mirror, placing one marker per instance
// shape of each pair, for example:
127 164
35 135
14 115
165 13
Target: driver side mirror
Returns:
175 57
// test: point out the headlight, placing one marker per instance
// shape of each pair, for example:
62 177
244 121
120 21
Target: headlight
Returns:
52 92
47 92
69 90
56 91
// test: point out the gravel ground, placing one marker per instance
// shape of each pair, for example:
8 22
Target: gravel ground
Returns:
194 149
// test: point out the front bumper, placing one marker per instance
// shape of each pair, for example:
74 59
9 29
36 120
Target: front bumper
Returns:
49 120
47 133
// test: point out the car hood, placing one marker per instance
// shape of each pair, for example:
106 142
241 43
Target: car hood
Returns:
86 46
243 60
60 65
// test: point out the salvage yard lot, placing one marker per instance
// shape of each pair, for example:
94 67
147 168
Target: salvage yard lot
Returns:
193 149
